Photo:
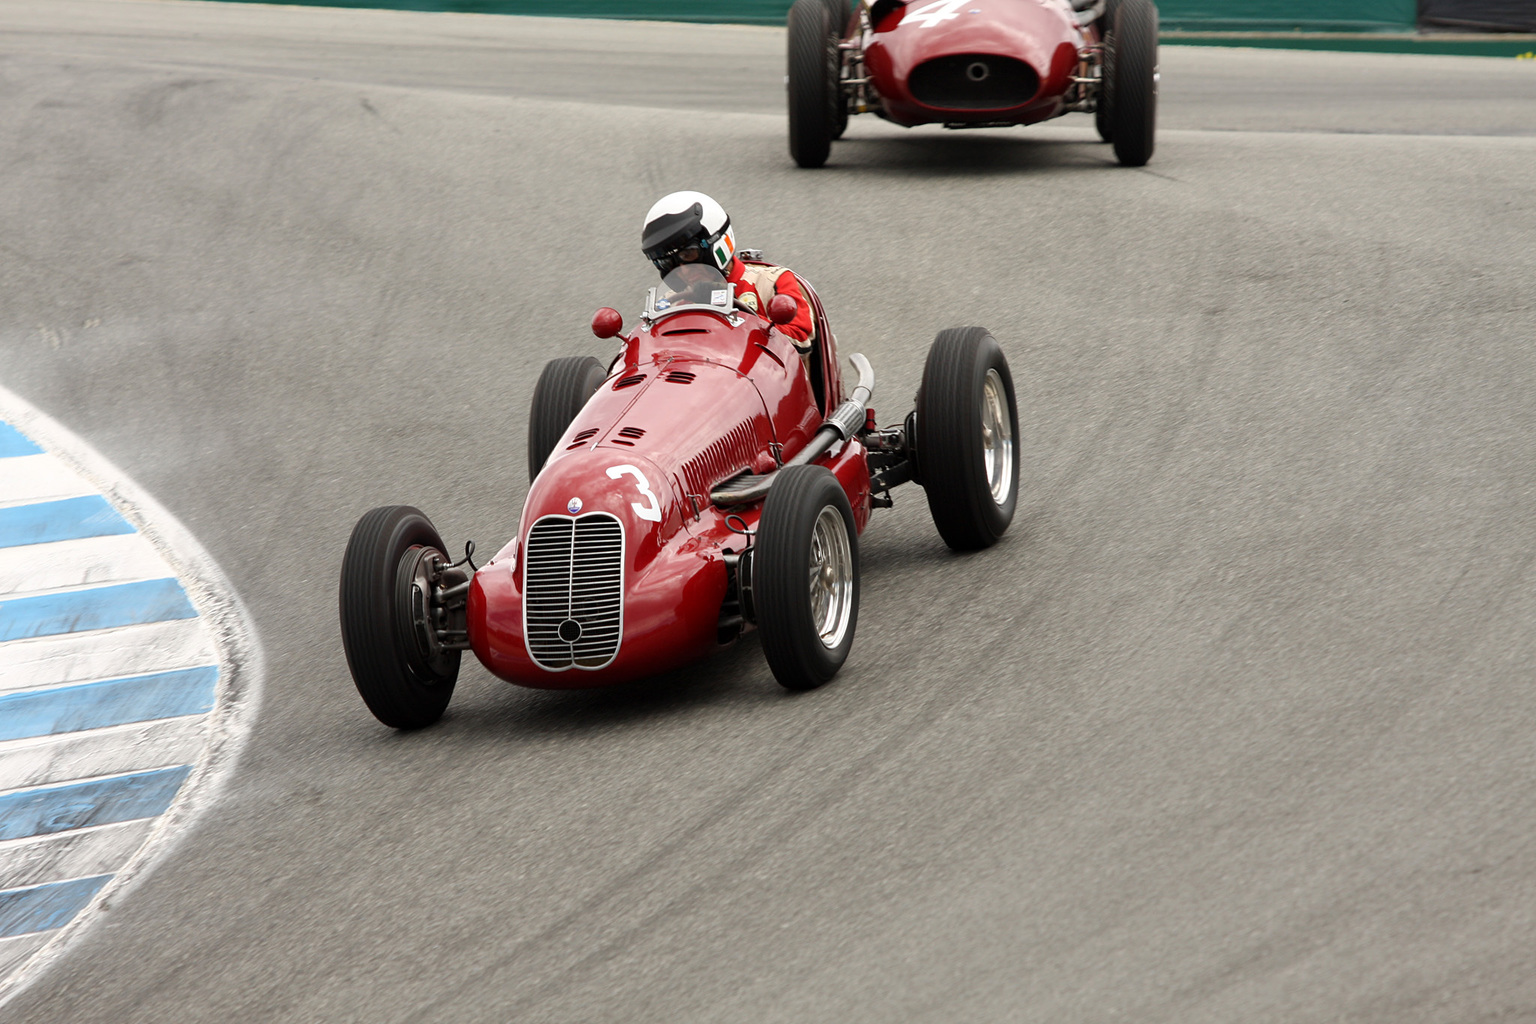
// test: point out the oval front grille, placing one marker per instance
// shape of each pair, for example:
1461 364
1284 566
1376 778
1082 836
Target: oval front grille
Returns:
973 81
573 571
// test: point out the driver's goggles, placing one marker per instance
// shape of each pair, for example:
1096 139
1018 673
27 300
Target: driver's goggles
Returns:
672 259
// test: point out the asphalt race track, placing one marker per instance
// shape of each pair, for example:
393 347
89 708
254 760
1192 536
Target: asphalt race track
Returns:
1235 725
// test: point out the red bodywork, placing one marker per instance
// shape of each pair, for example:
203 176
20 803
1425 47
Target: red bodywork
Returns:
712 399
1043 34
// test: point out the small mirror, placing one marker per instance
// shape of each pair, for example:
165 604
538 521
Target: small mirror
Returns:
782 309
607 322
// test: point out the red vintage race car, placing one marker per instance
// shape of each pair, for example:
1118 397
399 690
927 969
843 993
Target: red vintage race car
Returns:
972 64
709 481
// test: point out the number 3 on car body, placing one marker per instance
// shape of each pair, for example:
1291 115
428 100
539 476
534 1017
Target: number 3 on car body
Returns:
650 512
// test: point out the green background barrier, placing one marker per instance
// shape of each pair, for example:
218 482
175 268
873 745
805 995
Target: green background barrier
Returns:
749 12
1210 15
1375 25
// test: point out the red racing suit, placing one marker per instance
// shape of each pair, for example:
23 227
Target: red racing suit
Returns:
756 283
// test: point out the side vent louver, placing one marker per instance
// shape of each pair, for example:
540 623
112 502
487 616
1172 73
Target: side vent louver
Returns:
632 434
582 438
628 382
722 460
678 377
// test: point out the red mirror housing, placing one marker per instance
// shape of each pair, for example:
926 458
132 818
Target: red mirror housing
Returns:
607 322
782 309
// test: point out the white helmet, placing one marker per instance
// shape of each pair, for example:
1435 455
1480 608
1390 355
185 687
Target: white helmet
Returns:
688 227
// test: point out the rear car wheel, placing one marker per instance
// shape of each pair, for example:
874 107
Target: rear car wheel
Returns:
562 391
1133 74
815 87
805 577
404 676
965 430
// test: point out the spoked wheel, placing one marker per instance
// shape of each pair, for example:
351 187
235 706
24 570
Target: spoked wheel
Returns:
965 432
1133 81
388 621
562 391
817 111
805 577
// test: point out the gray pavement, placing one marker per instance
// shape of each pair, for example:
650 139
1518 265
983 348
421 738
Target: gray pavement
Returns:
1234 725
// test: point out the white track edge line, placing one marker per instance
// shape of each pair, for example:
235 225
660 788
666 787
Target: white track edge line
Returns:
234 636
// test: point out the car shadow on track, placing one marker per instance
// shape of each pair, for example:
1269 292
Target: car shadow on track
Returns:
992 152
736 676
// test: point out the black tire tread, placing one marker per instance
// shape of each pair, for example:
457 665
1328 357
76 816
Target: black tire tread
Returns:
1101 115
812 112
1134 108
374 650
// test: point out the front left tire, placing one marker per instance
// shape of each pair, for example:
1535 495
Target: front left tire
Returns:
805 577
387 630
1133 86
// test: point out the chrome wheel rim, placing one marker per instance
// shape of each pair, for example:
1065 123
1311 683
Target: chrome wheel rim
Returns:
831 578
996 438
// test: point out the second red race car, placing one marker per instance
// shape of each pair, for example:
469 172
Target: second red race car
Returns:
711 479
972 64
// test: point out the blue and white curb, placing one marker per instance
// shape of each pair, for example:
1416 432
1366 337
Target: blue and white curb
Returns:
127 673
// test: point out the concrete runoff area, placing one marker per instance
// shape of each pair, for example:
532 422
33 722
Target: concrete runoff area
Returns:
1233 725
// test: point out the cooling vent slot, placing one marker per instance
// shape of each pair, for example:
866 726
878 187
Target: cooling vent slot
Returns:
628 382
722 460
684 330
633 433
678 377
573 591
582 438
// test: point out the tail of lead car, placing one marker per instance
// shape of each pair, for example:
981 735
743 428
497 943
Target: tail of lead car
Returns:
652 581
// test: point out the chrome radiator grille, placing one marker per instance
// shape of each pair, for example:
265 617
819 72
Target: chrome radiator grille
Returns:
573 591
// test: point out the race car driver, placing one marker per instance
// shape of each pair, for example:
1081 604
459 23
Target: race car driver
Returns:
690 227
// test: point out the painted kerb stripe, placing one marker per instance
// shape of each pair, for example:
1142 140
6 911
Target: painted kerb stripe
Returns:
121 701
13 443
42 907
126 604
69 519
50 809
107 703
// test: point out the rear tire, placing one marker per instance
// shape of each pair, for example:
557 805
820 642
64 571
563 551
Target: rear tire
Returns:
815 88
1133 71
805 577
403 677
966 438
561 393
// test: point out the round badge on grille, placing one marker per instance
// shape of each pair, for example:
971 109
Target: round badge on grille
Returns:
570 631
573 506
